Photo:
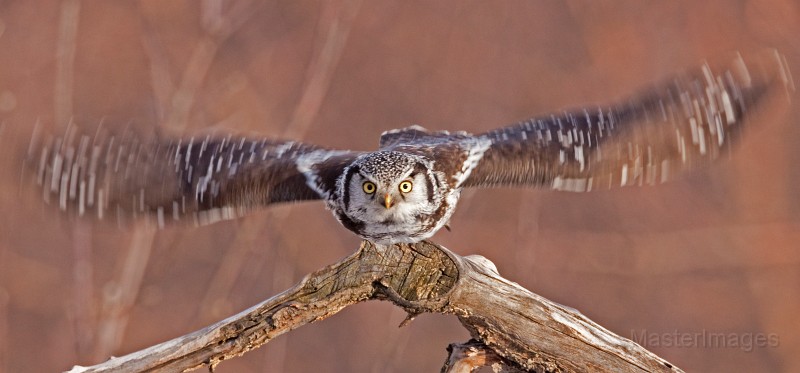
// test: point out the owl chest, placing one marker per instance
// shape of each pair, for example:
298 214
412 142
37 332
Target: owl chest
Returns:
413 224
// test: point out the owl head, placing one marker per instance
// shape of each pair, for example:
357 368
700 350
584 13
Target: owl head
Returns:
391 197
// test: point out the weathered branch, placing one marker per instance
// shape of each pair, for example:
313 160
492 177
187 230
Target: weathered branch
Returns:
472 355
524 330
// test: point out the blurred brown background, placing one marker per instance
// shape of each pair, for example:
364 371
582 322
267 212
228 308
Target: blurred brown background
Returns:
715 252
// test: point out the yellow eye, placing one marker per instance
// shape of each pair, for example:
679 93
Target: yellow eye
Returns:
406 186
369 187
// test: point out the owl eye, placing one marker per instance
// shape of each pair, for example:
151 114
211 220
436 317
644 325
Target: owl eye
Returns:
406 186
369 187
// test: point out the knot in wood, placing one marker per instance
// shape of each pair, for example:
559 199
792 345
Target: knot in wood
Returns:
417 273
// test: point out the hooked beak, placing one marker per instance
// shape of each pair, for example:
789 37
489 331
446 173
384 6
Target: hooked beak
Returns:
388 201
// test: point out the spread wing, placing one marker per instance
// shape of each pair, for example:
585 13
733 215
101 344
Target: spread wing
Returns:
689 120
203 179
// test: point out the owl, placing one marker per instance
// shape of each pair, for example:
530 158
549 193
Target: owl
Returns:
408 188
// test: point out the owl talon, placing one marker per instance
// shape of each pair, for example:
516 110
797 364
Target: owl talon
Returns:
446 226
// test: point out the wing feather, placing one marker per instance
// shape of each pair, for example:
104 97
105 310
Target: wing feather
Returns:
687 121
200 179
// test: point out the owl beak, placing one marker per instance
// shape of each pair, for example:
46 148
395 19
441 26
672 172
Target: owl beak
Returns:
388 201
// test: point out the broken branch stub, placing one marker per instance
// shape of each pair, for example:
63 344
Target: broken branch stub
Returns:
525 330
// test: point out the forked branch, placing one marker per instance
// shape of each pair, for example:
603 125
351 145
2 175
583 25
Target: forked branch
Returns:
517 330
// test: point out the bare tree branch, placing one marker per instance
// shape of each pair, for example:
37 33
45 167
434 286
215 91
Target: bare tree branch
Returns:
527 331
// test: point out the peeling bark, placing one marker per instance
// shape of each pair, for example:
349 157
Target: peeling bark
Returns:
515 329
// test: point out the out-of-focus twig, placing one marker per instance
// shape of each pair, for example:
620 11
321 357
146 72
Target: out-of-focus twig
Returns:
83 301
218 27
160 78
3 328
175 104
118 298
176 101
334 27
333 31
66 48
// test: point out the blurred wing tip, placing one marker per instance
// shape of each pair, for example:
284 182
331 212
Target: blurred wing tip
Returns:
785 73
773 66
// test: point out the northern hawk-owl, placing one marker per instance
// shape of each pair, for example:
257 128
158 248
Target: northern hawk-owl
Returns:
408 189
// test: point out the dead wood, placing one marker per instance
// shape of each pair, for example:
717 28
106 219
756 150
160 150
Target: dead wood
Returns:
514 329
472 355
